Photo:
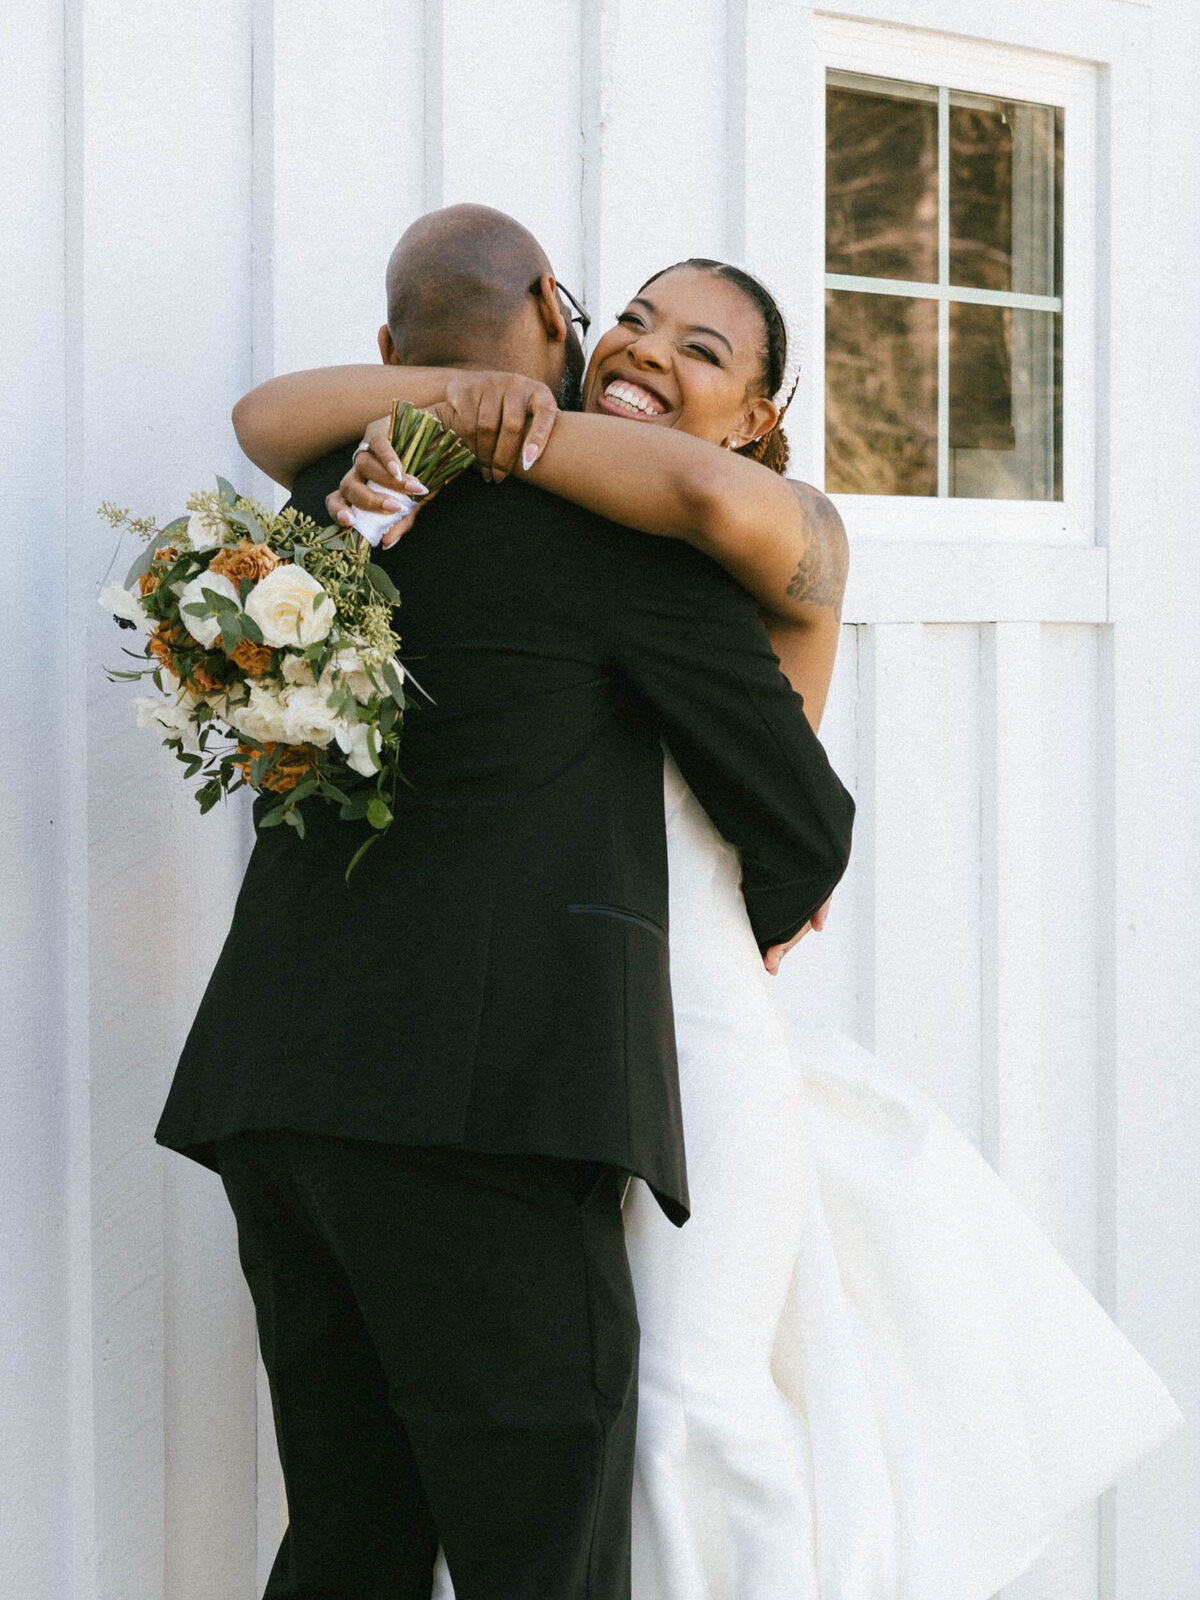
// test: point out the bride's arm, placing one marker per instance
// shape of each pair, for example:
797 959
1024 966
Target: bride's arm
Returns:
806 654
291 420
783 541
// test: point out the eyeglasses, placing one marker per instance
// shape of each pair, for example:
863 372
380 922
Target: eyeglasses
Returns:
577 314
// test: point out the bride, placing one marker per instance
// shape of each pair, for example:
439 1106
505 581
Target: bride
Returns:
865 1373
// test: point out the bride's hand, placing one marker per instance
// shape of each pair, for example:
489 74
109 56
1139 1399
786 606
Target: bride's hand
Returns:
777 951
501 417
374 479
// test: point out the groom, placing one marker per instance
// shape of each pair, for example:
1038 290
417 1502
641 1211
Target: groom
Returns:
423 1090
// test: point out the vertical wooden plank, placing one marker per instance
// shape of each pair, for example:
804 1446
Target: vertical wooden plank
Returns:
1014 1091
818 982
920 867
348 106
511 118
35 1245
1039 971
655 189
782 232
159 294
1151 1017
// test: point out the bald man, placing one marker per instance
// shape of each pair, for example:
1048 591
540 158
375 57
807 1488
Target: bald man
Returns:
424 1090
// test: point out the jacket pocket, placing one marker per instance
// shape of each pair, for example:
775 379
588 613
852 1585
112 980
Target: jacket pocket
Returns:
623 915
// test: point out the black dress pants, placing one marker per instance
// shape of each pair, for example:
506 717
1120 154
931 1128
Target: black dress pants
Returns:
451 1342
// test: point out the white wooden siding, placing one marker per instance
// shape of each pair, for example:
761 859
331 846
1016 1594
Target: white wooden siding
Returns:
202 197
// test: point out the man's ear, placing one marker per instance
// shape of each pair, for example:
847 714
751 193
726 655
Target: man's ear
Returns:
550 309
759 417
387 350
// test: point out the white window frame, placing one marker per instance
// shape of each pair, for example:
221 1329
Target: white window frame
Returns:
1004 73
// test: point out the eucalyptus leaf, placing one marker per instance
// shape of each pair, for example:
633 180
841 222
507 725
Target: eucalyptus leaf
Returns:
251 524
229 495
381 583
145 560
392 678
378 814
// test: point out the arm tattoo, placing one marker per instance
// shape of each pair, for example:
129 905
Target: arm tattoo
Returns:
820 575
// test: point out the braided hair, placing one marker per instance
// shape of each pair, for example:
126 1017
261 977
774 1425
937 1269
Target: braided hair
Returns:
772 449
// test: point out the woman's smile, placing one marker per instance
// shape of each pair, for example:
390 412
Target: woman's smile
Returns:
626 396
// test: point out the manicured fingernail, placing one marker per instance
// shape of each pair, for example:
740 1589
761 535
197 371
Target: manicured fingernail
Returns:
390 503
395 469
414 486
529 456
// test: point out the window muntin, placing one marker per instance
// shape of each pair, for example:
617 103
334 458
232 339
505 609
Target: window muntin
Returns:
944 225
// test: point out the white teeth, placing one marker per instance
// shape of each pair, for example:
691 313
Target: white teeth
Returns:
618 389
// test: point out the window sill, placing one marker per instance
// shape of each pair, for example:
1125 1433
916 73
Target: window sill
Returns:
968 581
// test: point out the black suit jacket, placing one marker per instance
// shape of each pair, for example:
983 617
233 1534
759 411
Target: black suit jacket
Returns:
495 975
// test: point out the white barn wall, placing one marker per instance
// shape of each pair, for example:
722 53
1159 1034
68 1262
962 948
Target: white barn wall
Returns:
236 178
35 1400
159 318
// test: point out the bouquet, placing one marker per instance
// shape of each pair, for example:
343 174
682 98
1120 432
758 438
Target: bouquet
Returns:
271 644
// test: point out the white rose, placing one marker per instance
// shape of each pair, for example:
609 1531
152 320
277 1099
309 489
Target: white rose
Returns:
206 530
168 719
263 716
204 629
284 604
296 669
355 675
126 604
307 719
353 741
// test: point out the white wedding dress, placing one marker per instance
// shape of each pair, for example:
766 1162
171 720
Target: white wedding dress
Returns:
865 1373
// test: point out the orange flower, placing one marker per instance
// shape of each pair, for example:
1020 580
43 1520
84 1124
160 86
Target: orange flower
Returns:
160 642
149 581
244 560
287 771
252 658
201 679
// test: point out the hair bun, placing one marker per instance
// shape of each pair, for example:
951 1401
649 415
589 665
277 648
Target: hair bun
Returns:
771 450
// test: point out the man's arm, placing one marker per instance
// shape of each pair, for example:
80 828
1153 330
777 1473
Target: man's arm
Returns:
691 643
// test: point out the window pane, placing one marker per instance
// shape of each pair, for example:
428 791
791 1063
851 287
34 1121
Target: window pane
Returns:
881 183
1005 403
880 394
1005 195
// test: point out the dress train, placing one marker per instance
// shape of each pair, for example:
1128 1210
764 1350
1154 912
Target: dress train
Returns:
865 1372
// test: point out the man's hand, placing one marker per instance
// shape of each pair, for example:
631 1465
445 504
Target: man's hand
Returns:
777 951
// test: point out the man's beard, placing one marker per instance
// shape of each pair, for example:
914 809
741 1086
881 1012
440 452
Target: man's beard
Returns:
570 385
